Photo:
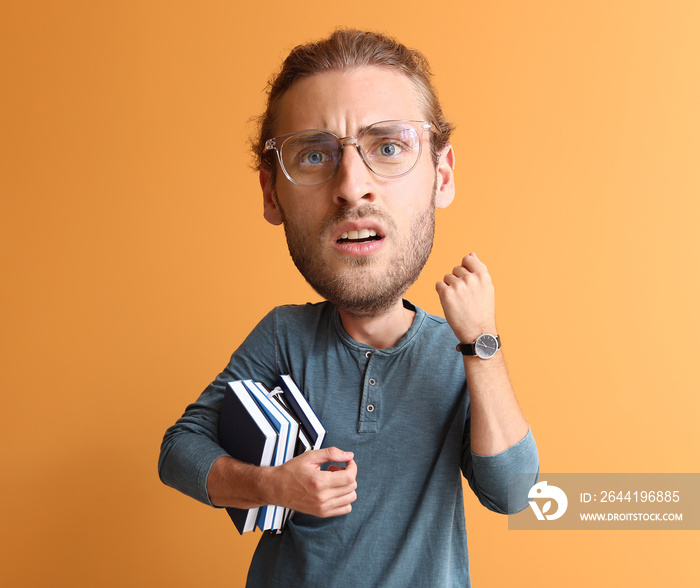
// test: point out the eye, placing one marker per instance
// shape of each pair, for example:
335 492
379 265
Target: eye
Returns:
313 158
309 151
388 149
389 142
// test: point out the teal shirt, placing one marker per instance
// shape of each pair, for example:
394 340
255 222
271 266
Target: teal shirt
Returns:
404 412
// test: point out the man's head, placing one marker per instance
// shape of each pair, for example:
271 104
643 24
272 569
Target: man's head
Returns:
360 238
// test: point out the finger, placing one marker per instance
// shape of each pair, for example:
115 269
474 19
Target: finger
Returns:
458 276
350 467
442 288
450 279
472 263
339 506
336 492
343 476
347 499
341 498
460 271
321 456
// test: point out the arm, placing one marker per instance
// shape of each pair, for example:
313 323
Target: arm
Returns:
467 298
193 462
497 434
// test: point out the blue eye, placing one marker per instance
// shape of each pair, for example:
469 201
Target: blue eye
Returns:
388 149
314 157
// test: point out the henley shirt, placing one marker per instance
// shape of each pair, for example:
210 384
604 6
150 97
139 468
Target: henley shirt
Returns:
404 412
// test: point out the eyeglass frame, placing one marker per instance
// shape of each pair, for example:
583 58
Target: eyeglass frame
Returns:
270 145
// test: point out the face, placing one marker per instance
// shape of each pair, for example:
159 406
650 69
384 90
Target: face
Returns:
359 239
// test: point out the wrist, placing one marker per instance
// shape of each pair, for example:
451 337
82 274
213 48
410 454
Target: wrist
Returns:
237 484
263 484
470 333
485 346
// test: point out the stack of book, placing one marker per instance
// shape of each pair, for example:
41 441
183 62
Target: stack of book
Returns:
266 428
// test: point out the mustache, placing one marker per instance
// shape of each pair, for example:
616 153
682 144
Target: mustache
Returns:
355 214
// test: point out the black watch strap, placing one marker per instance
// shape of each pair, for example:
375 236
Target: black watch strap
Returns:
470 348
466 348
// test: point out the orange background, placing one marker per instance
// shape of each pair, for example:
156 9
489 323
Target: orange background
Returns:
135 259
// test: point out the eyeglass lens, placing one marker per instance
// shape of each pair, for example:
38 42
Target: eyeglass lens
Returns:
312 157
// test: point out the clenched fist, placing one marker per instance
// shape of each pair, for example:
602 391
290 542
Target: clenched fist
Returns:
467 299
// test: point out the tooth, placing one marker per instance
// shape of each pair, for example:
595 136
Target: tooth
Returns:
372 233
363 234
352 235
344 236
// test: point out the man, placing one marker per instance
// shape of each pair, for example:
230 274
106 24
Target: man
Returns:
354 158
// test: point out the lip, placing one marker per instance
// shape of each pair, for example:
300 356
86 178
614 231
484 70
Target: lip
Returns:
348 226
358 249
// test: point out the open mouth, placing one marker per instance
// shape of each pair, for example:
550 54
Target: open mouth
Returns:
362 236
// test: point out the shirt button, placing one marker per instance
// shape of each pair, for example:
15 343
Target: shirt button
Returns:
368 354
370 408
372 381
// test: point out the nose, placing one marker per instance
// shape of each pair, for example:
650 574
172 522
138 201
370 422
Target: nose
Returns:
354 182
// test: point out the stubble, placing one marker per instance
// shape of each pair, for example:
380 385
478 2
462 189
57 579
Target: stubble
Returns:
359 288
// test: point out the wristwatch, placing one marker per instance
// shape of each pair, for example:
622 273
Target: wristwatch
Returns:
484 347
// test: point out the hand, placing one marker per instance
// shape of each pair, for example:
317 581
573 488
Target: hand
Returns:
467 299
302 485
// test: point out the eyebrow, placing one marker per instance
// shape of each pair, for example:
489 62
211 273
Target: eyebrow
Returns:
381 130
312 136
319 135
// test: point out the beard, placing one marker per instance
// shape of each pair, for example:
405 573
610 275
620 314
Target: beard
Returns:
359 287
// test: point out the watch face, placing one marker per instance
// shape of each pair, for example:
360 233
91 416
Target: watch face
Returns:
486 346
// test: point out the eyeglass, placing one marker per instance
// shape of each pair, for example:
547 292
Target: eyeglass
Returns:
390 148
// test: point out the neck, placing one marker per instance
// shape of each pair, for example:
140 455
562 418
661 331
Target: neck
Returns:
381 331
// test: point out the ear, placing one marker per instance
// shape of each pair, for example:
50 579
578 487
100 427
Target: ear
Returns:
446 178
271 210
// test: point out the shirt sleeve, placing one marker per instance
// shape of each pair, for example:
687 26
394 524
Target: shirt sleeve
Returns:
191 446
492 478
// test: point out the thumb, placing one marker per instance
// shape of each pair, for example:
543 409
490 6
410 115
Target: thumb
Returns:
334 454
